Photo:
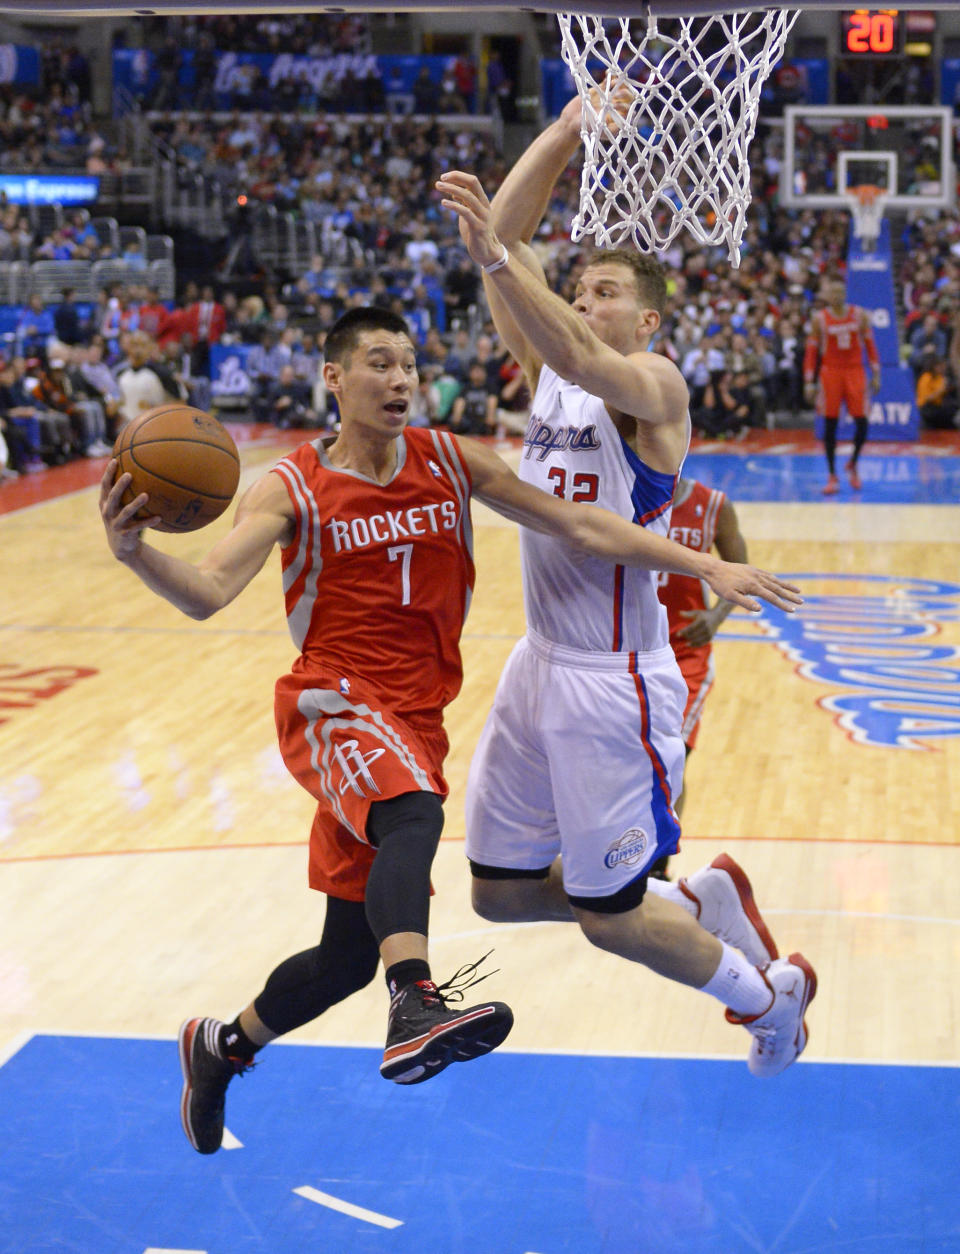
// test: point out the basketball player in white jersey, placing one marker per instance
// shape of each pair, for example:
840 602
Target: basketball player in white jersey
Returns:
570 795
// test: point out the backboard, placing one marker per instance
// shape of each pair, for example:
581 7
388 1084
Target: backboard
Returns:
905 149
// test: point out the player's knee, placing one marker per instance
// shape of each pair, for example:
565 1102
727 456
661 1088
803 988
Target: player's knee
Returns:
503 896
496 901
604 920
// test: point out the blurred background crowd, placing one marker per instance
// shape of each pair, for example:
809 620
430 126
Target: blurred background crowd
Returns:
282 196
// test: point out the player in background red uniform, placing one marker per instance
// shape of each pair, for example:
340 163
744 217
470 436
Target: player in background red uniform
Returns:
833 365
702 518
376 543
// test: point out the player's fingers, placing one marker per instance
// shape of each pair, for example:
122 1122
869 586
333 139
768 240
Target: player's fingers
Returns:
465 183
744 601
114 495
790 592
459 198
106 479
130 511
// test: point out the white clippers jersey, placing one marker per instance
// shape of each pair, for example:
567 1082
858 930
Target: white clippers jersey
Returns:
572 449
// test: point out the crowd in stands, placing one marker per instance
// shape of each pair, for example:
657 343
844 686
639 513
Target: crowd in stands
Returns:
737 334
53 130
301 34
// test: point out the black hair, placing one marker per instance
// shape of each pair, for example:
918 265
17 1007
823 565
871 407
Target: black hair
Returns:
344 335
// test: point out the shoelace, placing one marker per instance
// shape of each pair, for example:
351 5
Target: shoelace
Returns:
241 1065
454 988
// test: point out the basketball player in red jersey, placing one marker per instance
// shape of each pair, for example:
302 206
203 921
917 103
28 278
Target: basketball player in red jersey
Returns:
703 519
376 544
839 335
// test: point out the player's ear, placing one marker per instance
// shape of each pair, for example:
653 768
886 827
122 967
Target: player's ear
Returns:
648 323
332 373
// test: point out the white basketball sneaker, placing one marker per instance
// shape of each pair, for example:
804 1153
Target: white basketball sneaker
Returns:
780 1033
726 908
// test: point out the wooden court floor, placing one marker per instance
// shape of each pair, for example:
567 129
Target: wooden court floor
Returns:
152 847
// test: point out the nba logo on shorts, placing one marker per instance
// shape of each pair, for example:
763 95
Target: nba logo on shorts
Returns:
627 850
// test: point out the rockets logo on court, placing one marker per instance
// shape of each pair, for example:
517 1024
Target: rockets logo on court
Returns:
356 767
627 850
898 688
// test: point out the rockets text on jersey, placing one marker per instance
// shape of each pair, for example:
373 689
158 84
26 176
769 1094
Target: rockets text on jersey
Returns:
378 577
696 510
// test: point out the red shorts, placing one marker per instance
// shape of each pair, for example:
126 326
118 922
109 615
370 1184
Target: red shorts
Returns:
348 751
696 668
843 386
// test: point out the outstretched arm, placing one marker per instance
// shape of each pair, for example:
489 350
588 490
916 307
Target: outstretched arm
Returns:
603 534
643 385
523 196
517 210
264 517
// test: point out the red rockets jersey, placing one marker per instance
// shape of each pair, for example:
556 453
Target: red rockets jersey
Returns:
693 522
378 577
838 342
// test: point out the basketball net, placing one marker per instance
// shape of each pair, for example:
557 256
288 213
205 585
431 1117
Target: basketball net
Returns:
866 205
668 116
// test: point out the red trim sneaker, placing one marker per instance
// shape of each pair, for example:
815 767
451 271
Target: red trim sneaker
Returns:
424 1036
832 486
206 1074
854 475
727 909
780 1033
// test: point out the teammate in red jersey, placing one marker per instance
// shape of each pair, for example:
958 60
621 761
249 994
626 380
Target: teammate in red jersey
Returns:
833 373
703 519
376 543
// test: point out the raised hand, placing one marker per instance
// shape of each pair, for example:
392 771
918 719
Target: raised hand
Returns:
464 194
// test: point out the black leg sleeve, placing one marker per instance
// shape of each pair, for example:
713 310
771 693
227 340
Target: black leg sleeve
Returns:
406 831
304 986
859 436
830 443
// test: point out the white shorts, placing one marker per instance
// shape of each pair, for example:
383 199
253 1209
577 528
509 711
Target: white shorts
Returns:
581 755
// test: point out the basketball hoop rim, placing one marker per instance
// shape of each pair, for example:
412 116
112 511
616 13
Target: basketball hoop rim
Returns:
867 194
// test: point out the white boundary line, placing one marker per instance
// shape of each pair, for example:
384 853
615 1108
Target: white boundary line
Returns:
347 1208
14 1046
24 1037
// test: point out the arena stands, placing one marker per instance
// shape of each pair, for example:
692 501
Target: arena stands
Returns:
289 202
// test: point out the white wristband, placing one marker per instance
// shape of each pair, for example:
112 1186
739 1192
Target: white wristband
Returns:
498 264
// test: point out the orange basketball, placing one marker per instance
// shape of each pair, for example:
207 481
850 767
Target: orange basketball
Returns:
184 460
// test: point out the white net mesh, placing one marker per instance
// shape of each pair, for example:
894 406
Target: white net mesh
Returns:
866 205
669 110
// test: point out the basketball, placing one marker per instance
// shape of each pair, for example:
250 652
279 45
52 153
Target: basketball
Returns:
186 462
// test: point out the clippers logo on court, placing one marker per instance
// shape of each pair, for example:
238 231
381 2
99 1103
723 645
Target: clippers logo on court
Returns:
355 767
900 689
627 850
